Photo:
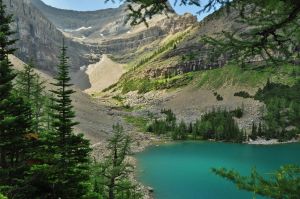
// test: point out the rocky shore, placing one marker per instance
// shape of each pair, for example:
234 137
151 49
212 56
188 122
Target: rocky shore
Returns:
261 141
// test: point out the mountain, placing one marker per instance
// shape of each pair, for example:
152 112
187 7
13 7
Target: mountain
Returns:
107 29
86 23
40 30
39 39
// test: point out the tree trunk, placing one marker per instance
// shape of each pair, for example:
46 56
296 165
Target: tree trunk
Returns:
2 158
111 194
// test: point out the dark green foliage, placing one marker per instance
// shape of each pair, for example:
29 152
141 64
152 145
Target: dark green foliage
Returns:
180 132
6 48
111 179
282 110
218 96
15 123
238 112
164 126
15 144
220 125
243 94
254 133
284 183
217 125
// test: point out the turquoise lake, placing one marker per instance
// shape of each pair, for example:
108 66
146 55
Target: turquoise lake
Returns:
182 170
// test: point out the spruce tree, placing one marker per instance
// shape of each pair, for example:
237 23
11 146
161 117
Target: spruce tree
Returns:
6 72
15 123
71 151
260 130
254 131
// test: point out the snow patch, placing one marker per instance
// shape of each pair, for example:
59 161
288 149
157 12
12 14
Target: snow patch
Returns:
78 29
82 68
83 28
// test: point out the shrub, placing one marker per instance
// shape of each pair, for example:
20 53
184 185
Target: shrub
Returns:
243 94
219 97
238 112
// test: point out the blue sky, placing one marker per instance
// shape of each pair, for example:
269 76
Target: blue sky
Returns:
84 5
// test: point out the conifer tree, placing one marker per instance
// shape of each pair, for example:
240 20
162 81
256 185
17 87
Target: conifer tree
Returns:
25 81
254 131
114 170
260 130
70 162
15 123
30 87
6 72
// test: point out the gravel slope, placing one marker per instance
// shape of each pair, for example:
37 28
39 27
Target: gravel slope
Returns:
103 74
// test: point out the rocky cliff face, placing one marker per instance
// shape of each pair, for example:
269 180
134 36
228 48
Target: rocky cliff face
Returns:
107 29
194 55
106 22
39 39
140 36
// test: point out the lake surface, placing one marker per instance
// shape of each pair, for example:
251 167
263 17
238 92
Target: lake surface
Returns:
183 170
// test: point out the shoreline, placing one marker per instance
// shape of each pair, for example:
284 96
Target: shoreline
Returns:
261 141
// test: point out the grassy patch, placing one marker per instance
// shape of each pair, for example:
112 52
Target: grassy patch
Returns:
146 85
139 122
234 75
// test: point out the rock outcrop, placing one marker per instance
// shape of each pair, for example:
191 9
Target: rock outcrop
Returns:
39 39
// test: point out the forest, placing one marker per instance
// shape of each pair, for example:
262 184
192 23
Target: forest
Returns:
215 125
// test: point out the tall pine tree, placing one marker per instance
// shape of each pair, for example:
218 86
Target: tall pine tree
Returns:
6 72
71 151
15 123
